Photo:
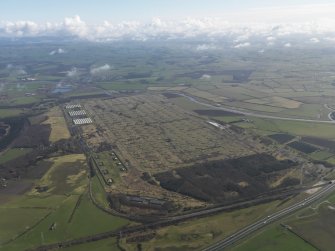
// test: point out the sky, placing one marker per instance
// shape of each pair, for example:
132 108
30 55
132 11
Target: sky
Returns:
95 11
106 20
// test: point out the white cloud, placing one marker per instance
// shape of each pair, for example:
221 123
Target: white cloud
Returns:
330 39
288 45
100 70
72 73
75 26
58 51
315 21
314 40
205 47
206 77
242 45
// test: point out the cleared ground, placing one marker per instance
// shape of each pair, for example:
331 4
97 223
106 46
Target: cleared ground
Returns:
155 135
150 134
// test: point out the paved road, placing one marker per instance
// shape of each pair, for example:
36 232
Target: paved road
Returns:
253 114
221 245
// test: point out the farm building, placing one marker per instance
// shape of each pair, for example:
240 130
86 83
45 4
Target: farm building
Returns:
73 106
83 121
77 113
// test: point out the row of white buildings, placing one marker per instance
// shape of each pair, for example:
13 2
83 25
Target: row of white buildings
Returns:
78 114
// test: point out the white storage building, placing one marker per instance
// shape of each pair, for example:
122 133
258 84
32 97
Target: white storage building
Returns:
83 121
77 113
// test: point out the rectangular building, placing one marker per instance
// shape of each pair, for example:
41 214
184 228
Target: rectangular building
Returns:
72 106
83 121
77 113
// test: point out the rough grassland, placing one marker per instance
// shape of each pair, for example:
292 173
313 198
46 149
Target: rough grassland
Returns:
103 245
67 175
199 233
59 128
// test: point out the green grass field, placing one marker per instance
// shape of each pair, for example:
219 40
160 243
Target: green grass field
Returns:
187 104
6 113
98 192
24 100
321 155
69 224
13 154
274 238
314 224
270 126
47 201
14 221
319 227
66 206
88 220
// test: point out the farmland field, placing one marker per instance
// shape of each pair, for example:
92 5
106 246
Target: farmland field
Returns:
307 229
13 153
325 131
10 112
320 142
65 204
303 147
275 238
281 138
317 227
